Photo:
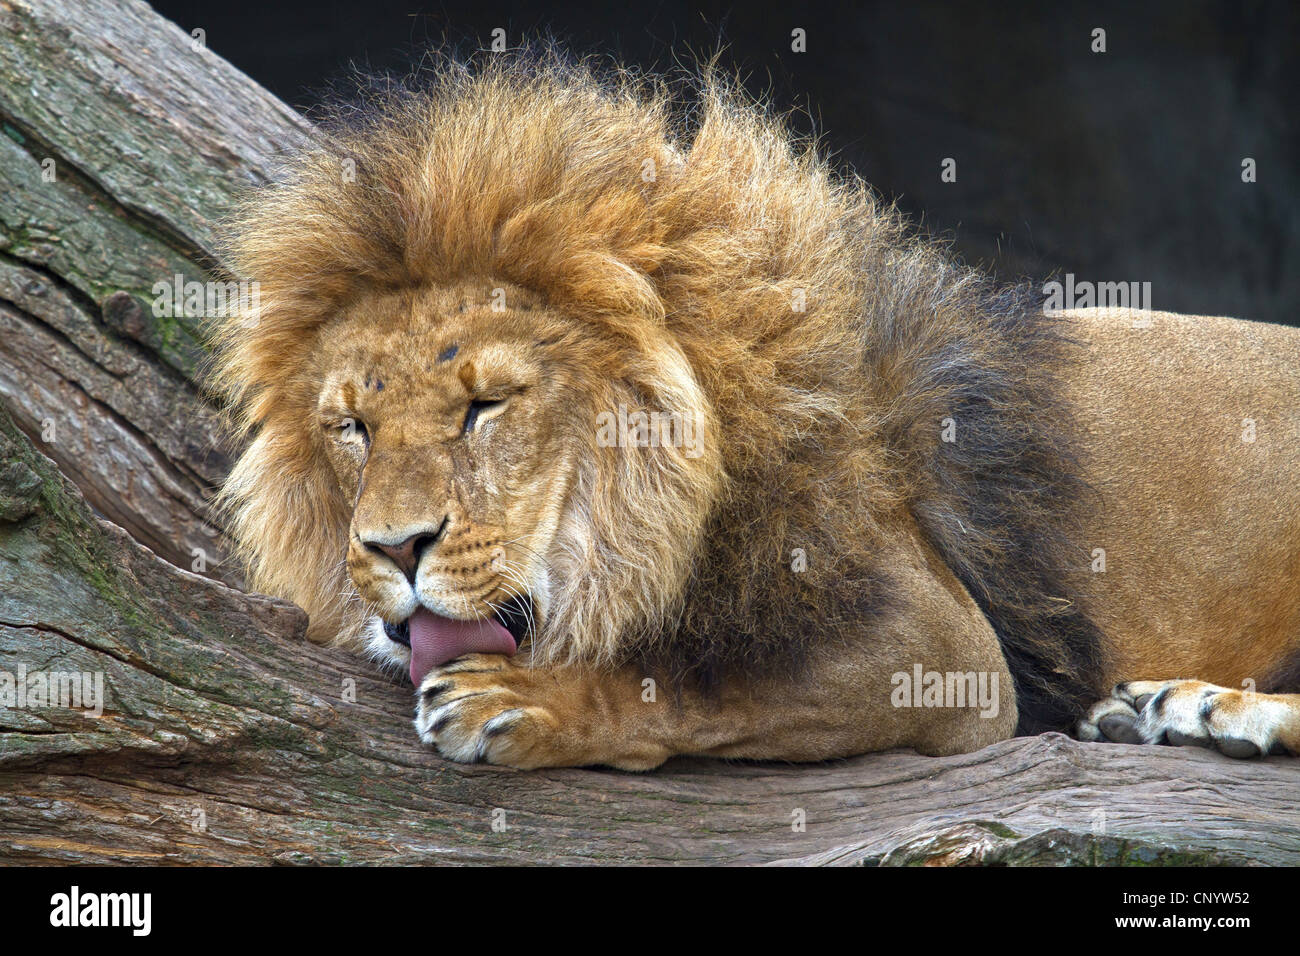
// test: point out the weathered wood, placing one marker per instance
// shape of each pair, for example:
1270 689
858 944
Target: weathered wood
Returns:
225 736
228 738
124 143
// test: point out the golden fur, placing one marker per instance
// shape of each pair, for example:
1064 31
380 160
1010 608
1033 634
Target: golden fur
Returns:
585 244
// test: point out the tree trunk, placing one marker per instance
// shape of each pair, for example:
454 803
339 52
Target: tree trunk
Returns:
223 735
124 143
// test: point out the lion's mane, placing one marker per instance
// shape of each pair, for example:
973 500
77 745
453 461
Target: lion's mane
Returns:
829 342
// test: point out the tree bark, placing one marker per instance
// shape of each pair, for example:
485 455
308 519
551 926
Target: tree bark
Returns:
124 143
224 736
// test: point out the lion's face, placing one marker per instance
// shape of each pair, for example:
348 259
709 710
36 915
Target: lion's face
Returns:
445 419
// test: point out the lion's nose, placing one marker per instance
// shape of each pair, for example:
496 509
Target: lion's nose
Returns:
407 553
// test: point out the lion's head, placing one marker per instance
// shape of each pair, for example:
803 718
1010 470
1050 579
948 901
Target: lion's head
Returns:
458 426
472 424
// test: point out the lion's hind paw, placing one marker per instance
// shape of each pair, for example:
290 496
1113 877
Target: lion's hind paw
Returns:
1184 713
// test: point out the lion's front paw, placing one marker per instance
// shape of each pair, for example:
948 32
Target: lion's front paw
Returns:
477 708
1189 712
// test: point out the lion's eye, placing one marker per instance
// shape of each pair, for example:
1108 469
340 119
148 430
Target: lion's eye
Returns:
482 411
352 430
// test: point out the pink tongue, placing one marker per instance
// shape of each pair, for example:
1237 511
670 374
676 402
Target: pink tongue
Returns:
436 640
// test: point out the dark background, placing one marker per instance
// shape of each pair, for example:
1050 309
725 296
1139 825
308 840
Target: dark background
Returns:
1121 166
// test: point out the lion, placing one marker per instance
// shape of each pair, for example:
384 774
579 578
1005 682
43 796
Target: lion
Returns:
630 427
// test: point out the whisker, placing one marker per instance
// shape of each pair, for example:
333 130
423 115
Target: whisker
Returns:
514 576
